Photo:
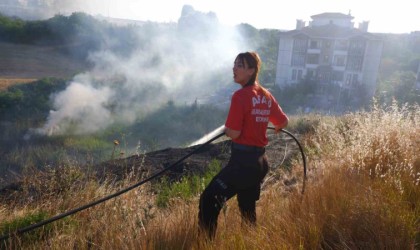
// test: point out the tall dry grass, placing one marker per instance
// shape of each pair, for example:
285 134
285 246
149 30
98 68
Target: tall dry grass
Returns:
362 193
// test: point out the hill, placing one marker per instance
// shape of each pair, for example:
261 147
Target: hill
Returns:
20 63
361 193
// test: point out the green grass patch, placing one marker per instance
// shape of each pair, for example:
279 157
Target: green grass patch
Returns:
10 227
88 143
187 187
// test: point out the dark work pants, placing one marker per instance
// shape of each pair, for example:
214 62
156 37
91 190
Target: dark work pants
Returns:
242 177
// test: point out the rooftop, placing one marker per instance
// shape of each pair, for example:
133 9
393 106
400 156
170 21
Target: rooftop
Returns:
332 31
332 15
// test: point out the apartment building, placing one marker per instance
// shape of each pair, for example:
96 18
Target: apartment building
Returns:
330 50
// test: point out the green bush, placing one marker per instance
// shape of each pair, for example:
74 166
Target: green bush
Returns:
29 101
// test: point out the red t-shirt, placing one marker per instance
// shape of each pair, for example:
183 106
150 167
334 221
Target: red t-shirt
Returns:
251 110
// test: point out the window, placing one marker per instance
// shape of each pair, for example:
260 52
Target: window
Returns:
341 45
299 76
355 79
357 47
310 74
352 79
296 74
313 58
326 59
298 59
339 60
354 63
314 44
338 76
327 44
300 45
324 77
348 78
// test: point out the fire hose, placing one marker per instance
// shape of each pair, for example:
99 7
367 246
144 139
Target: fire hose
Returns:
94 203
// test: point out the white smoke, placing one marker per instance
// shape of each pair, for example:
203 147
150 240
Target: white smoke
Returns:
176 66
80 107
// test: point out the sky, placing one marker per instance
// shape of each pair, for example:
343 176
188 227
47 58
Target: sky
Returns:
385 16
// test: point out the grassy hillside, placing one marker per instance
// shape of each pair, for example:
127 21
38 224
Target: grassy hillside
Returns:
22 63
362 193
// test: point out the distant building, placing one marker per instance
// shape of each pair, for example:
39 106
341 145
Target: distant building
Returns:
330 50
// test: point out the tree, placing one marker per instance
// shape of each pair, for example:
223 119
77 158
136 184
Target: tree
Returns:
399 86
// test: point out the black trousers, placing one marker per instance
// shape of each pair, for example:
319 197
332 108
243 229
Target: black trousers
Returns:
242 177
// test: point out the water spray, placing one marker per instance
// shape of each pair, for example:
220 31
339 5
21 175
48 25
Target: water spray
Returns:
208 136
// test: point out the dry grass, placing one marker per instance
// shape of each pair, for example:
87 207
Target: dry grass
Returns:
363 193
5 82
20 61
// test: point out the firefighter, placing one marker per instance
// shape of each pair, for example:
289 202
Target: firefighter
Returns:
252 108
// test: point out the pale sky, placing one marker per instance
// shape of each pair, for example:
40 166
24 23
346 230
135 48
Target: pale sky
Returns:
384 16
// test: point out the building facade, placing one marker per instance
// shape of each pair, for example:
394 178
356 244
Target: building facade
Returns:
330 50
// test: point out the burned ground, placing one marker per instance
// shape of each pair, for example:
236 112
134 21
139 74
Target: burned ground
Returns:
281 150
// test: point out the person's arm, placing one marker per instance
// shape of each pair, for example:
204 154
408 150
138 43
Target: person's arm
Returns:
233 134
278 117
281 125
234 119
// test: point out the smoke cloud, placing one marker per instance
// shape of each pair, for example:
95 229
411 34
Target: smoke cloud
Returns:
86 113
189 61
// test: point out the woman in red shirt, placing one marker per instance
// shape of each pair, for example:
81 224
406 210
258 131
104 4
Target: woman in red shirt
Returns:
252 108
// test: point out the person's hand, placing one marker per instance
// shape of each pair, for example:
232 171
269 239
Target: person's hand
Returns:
278 128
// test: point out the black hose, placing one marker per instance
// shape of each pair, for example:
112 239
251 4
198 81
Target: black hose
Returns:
73 211
302 154
300 149
61 216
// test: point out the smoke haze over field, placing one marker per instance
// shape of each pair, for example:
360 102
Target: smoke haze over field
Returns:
180 64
